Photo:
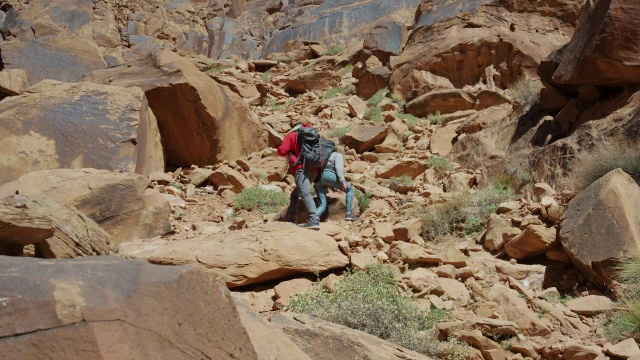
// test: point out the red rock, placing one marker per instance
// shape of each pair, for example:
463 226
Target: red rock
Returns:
365 138
604 47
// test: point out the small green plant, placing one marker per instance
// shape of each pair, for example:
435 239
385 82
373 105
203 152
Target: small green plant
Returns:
266 76
177 185
525 177
339 132
590 165
377 98
409 119
374 113
261 199
466 212
335 50
440 165
339 90
436 118
345 69
542 313
291 101
364 199
507 344
401 181
273 105
218 68
565 298
398 98
504 182
526 91
369 300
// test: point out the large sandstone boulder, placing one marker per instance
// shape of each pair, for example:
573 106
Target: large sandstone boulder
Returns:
200 122
108 307
60 125
491 43
533 241
386 39
56 231
118 202
324 340
601 226
13 82
604 49
365 138
249 256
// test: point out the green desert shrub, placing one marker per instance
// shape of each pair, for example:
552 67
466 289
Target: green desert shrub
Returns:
339 132
334 50
374 113
369 300
436 118
266 76
465 213
261 199
590 165
377 98
409 119
339 90
364 199
440 165
399 181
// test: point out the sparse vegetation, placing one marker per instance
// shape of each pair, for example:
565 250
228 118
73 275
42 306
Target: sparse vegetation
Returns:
377 98
398 98
370 301
266 76
440 165
401 181
626 322
345 69
273 105
218 68
374 113
335 50
525 177
465 213
339 90
339 132
409 119
261 199
363 200
436 118
177 185
526 91
542 313
589 166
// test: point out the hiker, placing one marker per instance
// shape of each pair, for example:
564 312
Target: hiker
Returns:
303 174
333 177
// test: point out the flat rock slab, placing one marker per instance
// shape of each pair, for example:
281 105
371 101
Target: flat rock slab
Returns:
249 256
590 305
108 307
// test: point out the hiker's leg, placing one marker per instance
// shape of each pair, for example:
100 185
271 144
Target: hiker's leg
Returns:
303 182
349 198
292 211
321 190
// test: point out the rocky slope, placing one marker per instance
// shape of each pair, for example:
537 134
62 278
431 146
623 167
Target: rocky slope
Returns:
133 128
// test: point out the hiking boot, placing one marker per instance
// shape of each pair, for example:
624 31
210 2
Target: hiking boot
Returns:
311 225
350 217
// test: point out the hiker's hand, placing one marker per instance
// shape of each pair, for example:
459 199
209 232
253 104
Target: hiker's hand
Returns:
344 187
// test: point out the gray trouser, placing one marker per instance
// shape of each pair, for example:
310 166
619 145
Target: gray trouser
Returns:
303 178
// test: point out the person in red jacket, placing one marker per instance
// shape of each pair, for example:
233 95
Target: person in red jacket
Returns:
303 177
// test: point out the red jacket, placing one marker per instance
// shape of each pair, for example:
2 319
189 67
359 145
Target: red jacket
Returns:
290 148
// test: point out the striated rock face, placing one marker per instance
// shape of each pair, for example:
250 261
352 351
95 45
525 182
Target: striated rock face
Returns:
471 42
59 125
335 22
604 213
249 256
604 49
55 230
201 123
118 202
108 307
